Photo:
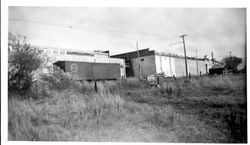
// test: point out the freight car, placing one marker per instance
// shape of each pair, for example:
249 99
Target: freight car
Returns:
90 71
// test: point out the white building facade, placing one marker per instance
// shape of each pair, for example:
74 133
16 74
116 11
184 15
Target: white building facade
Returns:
53 55
152 62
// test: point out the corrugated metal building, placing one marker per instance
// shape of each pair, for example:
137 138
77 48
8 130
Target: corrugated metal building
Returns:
152 62
85 65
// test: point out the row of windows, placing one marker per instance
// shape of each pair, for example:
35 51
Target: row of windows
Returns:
52 52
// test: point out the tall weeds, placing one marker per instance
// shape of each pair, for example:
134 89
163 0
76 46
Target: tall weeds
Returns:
79 113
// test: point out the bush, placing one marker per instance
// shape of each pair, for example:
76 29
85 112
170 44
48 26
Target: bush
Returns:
22 63
171 89
58 80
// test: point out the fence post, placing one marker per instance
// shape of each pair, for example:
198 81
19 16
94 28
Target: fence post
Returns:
206 69
95 83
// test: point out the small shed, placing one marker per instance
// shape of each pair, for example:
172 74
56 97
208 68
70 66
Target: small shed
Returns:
217 69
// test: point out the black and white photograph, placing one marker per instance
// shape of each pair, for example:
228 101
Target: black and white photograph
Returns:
126 74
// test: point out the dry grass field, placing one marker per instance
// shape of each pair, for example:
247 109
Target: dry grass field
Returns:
203 110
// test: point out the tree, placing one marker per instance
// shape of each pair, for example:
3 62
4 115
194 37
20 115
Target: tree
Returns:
232 63
22 63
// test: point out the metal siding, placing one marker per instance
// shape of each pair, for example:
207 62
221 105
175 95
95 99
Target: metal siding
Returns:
172 64
179 67
168 65
158 64
147 66
86 70
106 71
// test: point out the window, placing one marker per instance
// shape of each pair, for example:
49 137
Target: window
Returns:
62 52
55 52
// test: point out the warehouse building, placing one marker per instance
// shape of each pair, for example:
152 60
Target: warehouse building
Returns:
152 62
84 65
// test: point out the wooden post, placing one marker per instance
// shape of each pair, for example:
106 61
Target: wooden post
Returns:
93 77
212 54
183 40
96 86
196 63
158 81
206 68
139 61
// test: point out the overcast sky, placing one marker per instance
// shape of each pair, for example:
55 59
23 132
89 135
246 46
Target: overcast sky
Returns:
118 29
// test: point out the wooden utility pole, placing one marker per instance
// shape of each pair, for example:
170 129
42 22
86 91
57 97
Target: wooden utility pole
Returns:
196 63
183 40
212 57
93 76
139 61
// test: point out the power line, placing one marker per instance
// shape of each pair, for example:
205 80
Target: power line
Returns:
174 43
81 18
84 28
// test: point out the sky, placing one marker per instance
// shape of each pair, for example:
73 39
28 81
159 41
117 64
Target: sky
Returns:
117 29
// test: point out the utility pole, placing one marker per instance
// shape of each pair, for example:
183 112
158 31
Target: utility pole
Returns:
212 54
197 63
93 76
139 62
183 40
230 54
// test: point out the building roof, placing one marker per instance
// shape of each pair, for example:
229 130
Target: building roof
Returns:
147 52
134 54
70 50
218 66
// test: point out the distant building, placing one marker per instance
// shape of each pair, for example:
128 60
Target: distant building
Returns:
217 69
82 64
152 62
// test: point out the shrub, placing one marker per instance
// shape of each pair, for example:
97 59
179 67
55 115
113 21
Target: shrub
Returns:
22 63
171 89
219 83
58 80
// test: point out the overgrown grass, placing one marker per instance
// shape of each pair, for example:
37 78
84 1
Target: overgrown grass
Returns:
184 110
219 102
